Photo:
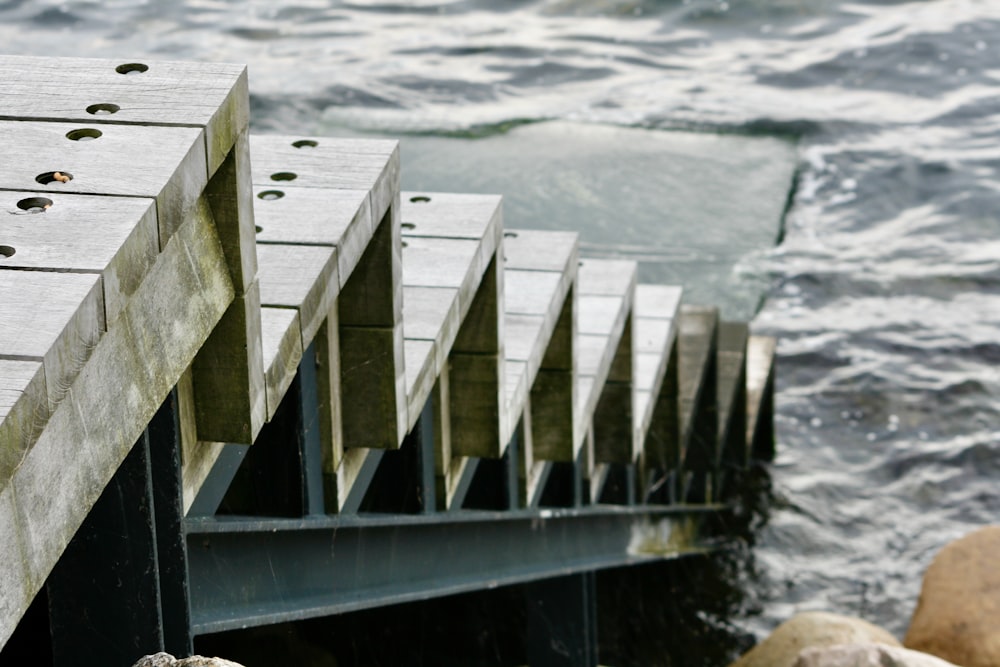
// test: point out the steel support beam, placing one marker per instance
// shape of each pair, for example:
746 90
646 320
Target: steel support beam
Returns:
259 571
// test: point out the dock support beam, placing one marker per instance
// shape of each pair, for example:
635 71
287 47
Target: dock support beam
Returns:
120 590
562 621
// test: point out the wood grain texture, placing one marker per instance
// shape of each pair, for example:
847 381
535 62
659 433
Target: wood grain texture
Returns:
553 392
479 410
111 401
537 250
230 197
658 301
301 277
422 369
55 318
24 410
281 345
603 336
476 410
329 394
115 237
212 96
315 216
698 418
173 169
371 165
456 216
373 294
761 352
230 393
374 387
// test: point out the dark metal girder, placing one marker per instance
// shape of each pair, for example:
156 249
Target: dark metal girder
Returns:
247 572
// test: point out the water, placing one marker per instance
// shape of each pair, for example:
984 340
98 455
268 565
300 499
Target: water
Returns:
883 291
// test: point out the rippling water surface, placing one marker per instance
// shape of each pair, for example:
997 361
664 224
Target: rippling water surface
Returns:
883 291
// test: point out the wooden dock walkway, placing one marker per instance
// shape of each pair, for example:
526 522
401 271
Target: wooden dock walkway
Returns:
301 373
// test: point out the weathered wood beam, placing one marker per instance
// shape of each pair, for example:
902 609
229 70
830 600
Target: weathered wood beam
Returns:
130 372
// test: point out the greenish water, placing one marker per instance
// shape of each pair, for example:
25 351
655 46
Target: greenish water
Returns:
693 209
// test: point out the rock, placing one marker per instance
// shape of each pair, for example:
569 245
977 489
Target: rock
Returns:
167 660
156 660
866 655
810 629
958 615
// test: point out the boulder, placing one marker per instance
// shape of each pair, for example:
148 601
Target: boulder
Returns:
866 655
958 615
809 629
167 660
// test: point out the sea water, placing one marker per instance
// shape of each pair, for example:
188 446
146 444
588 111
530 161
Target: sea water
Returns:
883 291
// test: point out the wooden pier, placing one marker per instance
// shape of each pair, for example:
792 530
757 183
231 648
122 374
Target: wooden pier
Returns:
245 380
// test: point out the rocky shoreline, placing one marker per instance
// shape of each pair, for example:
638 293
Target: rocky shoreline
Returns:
956 621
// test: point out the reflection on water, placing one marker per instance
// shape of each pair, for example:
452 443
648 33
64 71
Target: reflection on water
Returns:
885 291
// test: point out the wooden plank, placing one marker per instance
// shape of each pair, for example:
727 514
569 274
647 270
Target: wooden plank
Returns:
329 394
607 277
534 292
658 301
698 419
315 216
24 411
655 413
613 424
456 216
115 237
540 271
553 395
371 165
209 95
479 424
131 370
541 250
421 371
281 345
431 313
301 277
604 353
731 389
373 294
760 396
230 198
172 171
373 383
55 318
452 263
229 371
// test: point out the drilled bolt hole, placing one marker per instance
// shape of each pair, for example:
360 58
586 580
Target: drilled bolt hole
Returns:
103 109
54 177
35 204
6 251
305 143
270 195
284 176
408 225
83 134
420 199
131 68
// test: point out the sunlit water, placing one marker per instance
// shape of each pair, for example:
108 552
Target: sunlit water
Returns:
883 292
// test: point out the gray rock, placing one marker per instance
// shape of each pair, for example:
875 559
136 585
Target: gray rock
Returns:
866 655
810 629
167 660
